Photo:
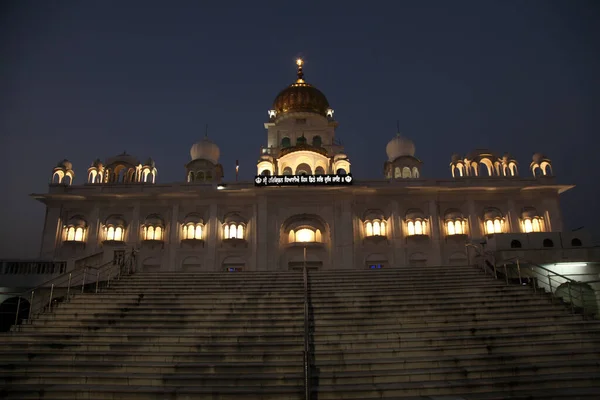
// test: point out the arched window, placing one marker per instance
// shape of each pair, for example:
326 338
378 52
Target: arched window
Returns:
416 223
319 171
456 227
316 141
70 234
341 171
515 244
397 172
192 227
285 142
494 224
200 177
406 172
303 169
548 243
305 235
114 228
375 227
287 171
533 224
234 227
576 242
265 172
415 172
153 228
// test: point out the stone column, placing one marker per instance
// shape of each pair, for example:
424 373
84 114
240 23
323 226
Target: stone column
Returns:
436 233
344 232
551 209
397 237
52 232
174 239
474 229
212 235
513 218
261 235
94 227
134 226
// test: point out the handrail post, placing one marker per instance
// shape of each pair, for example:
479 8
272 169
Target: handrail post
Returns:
83 280
51 293
505 273
581 297
534 281
69 286
30 307
97 279
519 272
495 271
108 279
17 315
550 284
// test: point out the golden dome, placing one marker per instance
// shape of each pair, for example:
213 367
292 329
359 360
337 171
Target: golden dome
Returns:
301 97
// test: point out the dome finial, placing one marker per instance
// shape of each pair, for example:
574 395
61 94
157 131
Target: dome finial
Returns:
299 63
397 127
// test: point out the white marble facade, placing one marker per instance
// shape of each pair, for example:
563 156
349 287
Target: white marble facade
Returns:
207 224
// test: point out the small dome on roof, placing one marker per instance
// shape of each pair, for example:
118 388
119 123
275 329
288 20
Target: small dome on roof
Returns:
123 158
205 149
400 146
97 163
150 162
66 164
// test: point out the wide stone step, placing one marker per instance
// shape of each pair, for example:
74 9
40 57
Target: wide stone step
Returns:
368 312
417 361
299 329
454 373
174 355
35 366
153 379
124 392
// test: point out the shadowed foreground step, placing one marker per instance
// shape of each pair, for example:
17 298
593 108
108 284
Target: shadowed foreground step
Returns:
427 333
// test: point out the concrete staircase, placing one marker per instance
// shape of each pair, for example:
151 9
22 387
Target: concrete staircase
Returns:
448 331
394 334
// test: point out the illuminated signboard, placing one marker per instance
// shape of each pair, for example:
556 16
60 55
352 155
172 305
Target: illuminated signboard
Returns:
303 180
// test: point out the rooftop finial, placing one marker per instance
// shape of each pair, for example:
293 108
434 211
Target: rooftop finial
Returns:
398 127
299 63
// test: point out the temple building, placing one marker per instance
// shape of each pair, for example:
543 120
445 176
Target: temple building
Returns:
305 197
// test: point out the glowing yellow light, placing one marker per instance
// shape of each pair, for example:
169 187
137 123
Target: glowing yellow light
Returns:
299 62
305 235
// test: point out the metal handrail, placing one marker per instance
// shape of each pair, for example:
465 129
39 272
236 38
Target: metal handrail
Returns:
75 273
307 371
535 275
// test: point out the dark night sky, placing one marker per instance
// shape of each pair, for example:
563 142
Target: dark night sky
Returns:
88 79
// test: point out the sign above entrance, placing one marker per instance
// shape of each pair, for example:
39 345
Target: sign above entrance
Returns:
303 180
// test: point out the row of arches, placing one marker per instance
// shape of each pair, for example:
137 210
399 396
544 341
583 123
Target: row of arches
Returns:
406 173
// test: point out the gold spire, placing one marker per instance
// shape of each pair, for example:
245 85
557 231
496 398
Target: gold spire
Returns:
299 63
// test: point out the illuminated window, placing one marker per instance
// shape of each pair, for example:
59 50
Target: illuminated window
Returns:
417 226
456 227
305 235
75 230
233 231
153 228
113 233
375 228
494 226
535 224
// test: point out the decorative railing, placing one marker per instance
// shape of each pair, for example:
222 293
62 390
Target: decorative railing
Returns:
581 291
298 147
61 289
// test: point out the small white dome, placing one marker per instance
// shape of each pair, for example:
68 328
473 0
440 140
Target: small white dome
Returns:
400 146
205 149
